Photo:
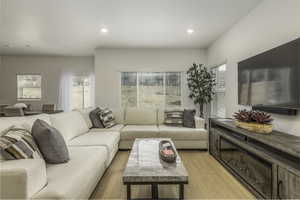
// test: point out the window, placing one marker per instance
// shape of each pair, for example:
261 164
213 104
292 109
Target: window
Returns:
151 89
81 92
29 87
218 103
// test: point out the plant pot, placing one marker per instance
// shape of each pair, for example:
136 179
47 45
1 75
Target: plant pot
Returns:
255 127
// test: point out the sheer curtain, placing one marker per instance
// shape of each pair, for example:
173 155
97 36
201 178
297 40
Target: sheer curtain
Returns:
65 92
92 88
68 97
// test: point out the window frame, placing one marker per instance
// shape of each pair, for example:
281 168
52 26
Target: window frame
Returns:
29 99
164 85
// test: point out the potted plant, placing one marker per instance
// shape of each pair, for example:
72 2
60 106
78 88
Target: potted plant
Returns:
201 82
256 121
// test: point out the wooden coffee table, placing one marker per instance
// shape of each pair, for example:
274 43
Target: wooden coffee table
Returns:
144 167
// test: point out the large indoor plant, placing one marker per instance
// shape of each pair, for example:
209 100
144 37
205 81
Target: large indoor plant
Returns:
201 82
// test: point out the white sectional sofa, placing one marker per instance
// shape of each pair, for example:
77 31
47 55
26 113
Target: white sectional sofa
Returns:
91 152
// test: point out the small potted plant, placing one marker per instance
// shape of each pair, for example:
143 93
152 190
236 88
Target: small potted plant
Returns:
256 121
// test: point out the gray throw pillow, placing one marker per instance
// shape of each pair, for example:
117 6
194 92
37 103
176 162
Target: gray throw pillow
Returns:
50 142
189 118
95 118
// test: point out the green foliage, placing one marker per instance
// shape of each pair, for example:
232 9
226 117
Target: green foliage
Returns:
201 83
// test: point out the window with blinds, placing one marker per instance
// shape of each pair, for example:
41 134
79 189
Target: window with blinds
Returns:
151 89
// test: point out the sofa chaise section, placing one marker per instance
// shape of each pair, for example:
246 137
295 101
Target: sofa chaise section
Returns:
77 178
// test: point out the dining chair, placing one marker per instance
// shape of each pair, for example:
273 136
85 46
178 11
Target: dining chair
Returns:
48 107
2 106
13 111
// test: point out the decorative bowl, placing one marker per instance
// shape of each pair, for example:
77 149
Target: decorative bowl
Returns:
167 152
255 127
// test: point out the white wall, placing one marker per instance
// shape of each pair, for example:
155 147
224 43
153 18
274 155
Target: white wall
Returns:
51 69
270 24
110 62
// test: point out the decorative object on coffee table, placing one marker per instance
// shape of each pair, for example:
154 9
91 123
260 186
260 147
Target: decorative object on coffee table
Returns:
256 121
166 151
144 167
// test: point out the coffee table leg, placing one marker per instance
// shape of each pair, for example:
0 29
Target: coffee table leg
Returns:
181 191
154 189
128 192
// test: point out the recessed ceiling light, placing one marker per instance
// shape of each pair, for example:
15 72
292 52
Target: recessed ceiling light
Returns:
104 30
190 31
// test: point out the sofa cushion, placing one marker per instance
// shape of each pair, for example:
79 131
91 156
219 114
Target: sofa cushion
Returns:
182 133
76 179
116 128
23 178
109 140
50 142
130 132
139 116
106 139
69 124
86 115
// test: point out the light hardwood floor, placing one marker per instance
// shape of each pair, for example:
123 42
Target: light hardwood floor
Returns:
207 180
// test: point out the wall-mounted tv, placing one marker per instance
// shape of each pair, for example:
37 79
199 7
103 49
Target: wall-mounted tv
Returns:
271 78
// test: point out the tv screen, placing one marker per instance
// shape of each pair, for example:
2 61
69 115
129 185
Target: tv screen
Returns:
271 78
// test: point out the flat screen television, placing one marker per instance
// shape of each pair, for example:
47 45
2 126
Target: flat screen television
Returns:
271 78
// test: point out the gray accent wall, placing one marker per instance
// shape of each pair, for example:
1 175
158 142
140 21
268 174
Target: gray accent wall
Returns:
270 24
50 67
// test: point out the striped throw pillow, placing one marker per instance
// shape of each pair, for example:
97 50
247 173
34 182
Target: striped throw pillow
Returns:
107 118
17 143
174 118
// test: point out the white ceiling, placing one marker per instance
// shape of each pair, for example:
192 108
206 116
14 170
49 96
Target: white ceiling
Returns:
72 27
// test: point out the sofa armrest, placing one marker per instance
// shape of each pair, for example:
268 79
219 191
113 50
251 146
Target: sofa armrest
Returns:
20 179
199 122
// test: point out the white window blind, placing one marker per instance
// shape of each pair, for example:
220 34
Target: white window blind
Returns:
151 89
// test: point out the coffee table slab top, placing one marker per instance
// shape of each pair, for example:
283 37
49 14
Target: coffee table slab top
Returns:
145 166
